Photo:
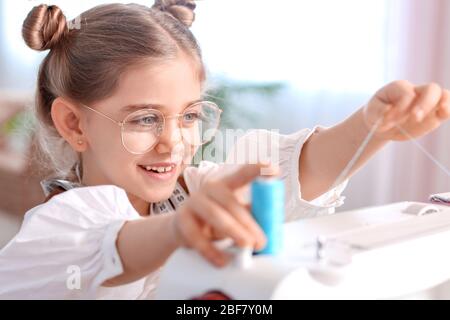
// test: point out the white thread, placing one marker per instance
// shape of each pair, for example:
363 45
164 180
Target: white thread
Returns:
429 156
343 175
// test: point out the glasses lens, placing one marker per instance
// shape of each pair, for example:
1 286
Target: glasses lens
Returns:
141 130
199 123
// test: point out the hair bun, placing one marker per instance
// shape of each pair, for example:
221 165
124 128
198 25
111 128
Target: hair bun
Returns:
183 10
44 27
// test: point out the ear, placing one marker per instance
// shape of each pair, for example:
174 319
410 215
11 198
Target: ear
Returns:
67 120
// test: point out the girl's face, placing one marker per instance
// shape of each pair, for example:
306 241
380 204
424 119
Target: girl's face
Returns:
170 88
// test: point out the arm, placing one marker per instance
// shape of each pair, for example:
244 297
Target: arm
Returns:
418 110
326 154
143 246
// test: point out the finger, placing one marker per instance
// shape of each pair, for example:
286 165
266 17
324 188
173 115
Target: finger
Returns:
196 239
243 195
427 100
401 95
246 173
228 201
214 215
428 124
443 111
374 111
217 235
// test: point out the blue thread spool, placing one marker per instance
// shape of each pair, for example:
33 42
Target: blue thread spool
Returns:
268 211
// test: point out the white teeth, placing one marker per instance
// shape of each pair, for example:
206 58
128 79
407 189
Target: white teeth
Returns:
159 169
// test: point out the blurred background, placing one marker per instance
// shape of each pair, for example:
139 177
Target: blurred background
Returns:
285 64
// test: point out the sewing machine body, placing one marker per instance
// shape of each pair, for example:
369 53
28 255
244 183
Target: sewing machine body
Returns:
371 253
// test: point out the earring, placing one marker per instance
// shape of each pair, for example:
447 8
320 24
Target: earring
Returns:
80 142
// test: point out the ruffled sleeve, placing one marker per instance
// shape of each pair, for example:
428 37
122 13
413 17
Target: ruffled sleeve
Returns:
66 248
285 150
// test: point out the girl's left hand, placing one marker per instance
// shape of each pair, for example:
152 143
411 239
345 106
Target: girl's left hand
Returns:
416 109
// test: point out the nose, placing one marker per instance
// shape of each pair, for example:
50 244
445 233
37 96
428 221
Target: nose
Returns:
170 137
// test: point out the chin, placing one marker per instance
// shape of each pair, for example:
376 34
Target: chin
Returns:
157 194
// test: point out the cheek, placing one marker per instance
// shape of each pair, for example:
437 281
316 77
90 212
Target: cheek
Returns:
106 141
106 146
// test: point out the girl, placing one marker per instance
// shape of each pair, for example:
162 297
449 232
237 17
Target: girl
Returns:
120 109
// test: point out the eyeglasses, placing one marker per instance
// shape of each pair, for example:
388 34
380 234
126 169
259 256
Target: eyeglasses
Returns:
141 130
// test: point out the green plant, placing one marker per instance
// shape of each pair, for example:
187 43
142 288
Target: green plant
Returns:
228 95
21 121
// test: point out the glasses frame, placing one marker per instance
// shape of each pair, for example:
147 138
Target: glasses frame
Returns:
177 116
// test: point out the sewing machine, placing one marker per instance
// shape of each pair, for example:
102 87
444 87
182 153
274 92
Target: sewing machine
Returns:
371 253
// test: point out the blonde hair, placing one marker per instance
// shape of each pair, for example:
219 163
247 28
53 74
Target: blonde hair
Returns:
87 57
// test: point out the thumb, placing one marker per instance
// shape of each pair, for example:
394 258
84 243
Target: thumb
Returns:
246 173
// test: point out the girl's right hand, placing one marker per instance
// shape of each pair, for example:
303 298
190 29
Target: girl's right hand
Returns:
216 209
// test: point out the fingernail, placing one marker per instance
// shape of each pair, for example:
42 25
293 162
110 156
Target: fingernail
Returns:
262 242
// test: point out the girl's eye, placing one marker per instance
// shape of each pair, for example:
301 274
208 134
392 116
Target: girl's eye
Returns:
190 117
148 120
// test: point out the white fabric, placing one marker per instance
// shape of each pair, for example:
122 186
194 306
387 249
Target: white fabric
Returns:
79 228
76 228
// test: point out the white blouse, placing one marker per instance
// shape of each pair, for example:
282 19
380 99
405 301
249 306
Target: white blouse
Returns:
66 247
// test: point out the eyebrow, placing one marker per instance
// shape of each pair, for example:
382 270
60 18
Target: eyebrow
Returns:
135 107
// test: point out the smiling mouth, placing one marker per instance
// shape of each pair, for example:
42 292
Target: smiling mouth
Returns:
159 169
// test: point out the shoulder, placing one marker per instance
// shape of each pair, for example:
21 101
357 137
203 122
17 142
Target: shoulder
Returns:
91 205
